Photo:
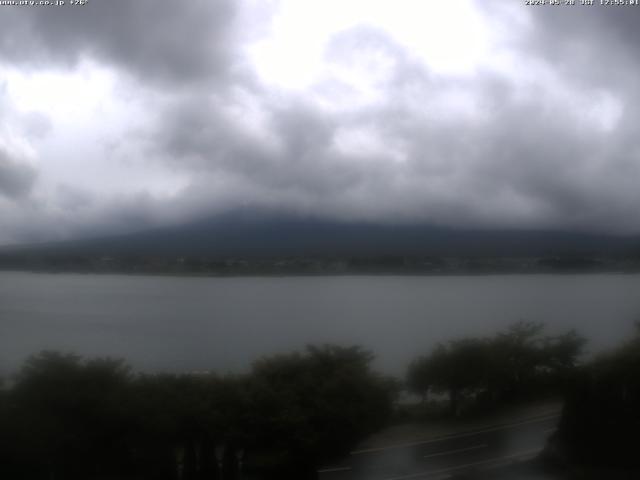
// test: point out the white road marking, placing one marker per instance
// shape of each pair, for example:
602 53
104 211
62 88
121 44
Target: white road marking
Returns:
451 452
454 436
336 469
444 471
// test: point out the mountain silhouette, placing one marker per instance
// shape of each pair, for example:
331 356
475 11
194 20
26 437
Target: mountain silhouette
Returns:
254 234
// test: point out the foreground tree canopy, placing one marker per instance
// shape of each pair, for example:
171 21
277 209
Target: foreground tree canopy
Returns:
508 366
67 418
601 418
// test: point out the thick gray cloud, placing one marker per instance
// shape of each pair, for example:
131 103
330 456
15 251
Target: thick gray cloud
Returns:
16 178
541 134
156 40
481 150
589 44
295 152
17 174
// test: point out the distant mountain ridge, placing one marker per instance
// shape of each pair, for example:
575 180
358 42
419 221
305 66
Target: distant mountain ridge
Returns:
258 235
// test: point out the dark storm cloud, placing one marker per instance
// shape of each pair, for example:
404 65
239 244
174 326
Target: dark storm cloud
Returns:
548 141
588 43
72 198
17 175
479 150
157 40
294 152
580 173
612 30
16 178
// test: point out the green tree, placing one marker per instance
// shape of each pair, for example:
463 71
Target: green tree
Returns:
458 368
70 416
311 406
507 366
601 416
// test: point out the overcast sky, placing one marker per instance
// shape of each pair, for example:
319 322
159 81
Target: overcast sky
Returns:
123 114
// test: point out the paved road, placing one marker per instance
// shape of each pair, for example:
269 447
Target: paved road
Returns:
479 452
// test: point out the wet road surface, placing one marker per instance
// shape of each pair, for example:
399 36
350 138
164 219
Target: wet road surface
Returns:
472 454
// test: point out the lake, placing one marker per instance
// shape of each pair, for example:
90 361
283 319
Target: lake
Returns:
223 324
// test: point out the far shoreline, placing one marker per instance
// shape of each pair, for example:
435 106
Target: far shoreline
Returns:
302 274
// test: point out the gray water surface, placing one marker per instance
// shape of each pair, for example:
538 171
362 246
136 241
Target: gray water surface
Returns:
223 324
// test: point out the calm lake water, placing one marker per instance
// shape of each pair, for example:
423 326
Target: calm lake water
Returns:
223 324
